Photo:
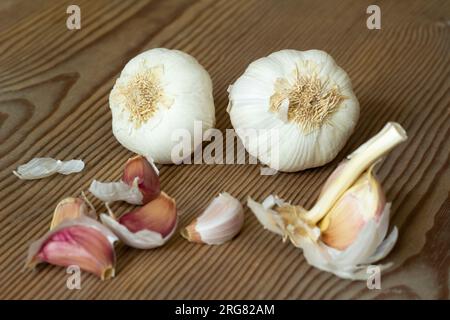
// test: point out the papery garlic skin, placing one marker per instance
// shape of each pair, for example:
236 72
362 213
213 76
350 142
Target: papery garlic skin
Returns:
39 168
82 241
117 191
158 92
146 227
221 221
139 185
303 95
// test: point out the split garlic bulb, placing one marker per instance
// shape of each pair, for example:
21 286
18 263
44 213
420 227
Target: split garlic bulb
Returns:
158 92
301 95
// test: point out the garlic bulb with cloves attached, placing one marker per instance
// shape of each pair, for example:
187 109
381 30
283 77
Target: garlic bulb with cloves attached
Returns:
303 95
158 92
345 231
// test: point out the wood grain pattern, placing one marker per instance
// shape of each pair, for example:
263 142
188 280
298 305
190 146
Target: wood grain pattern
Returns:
54 86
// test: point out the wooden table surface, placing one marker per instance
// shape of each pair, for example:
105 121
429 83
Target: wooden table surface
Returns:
54 87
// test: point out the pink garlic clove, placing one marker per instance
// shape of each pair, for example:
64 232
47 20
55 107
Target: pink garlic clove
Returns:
81 241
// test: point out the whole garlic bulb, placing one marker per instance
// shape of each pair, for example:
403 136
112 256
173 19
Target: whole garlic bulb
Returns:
305 97
160 91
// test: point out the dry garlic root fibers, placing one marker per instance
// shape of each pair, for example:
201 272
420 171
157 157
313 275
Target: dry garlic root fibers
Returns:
303 95
346 229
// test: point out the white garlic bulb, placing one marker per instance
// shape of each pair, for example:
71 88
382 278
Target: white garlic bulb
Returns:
158 92
302 95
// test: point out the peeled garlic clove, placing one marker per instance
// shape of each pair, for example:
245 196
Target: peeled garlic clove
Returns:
38 168
82 241
71 208
147 174
220 222
362 202
302 95
147 227
158 92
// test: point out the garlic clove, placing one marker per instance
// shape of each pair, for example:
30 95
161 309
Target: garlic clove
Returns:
147 227
363 201
139 185
38 168
220 222
82 241
147 174
71 208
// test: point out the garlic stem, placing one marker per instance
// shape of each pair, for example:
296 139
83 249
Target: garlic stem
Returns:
360 160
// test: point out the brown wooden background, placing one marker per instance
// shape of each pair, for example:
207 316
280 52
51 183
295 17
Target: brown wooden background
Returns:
54 86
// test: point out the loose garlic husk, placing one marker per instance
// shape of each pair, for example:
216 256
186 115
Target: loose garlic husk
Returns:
221 221
305 97
146 227
81 241
346 229
38 168
158 92
139 184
